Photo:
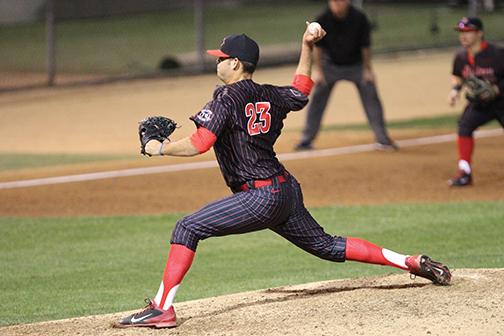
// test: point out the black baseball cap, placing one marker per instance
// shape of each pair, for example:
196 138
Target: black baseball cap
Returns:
467 24
239 46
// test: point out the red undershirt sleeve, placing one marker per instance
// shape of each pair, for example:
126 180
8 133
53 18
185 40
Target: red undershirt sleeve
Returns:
303 83
202 139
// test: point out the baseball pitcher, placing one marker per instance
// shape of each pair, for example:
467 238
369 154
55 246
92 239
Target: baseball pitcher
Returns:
242 122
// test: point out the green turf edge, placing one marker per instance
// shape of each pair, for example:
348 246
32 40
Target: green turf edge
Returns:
14 161
444 121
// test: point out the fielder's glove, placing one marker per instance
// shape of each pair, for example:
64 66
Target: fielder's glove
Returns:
154 128
480 90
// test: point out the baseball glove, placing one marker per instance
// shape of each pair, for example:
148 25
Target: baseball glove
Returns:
480 90
154 128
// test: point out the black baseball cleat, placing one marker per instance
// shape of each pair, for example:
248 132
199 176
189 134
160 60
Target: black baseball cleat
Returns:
462 179
152 316
425 267
303 146
386 147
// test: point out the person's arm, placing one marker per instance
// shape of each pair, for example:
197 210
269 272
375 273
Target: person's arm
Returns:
367 69
499 87
302 77
197 143
500 79
306 57
454 94
182 147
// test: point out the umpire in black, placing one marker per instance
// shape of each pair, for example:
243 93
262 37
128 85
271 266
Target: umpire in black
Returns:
344 54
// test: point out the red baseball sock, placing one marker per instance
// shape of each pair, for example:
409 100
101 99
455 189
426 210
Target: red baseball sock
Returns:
179 261
465 147
361 250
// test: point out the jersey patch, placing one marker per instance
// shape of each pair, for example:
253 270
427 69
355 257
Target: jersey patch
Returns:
205 115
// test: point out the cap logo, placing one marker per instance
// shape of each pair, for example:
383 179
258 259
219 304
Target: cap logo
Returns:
223 42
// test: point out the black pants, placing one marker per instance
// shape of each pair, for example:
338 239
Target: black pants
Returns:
475 116
278 207
368 94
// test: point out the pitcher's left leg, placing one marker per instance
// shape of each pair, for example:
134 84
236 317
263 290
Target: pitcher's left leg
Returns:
303 230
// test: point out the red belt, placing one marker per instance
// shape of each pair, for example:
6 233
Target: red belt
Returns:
263 183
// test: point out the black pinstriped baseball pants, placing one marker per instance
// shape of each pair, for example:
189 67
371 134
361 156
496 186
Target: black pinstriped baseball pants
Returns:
278 207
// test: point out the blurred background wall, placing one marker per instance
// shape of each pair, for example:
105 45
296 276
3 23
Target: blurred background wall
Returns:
71 41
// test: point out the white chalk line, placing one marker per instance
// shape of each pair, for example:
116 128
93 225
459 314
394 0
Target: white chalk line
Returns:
212 164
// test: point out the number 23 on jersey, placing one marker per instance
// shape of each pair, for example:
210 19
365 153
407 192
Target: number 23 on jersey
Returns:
259 117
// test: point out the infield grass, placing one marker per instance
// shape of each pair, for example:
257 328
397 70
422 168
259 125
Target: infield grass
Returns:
445 121
12 161
54 268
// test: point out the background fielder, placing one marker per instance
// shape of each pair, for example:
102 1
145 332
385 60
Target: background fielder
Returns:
485 61
242 123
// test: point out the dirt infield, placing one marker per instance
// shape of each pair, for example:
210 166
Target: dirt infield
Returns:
103 119
379 306
415 174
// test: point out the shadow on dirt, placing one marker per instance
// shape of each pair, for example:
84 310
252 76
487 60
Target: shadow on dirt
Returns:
295 294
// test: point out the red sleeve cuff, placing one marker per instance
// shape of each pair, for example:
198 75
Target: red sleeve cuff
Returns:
303 83
203 139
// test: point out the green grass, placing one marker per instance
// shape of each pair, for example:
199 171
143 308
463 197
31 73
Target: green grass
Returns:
11 161
437 122
61 267
135 44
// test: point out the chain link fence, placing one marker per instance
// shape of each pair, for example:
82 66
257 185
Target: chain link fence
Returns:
100 40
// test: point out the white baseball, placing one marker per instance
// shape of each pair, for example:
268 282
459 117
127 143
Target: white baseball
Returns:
314 28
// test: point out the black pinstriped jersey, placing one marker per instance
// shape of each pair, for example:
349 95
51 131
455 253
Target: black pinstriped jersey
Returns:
247 119
487 64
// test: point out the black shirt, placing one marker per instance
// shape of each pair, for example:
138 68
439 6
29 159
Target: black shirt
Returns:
345 37
487 64
247 119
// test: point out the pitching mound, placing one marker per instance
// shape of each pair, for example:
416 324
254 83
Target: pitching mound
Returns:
385 305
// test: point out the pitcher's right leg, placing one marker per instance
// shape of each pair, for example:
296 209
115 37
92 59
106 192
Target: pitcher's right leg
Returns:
303 230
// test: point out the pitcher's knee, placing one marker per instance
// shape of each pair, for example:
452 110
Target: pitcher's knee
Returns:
465 130
332 249
465 127
185 233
